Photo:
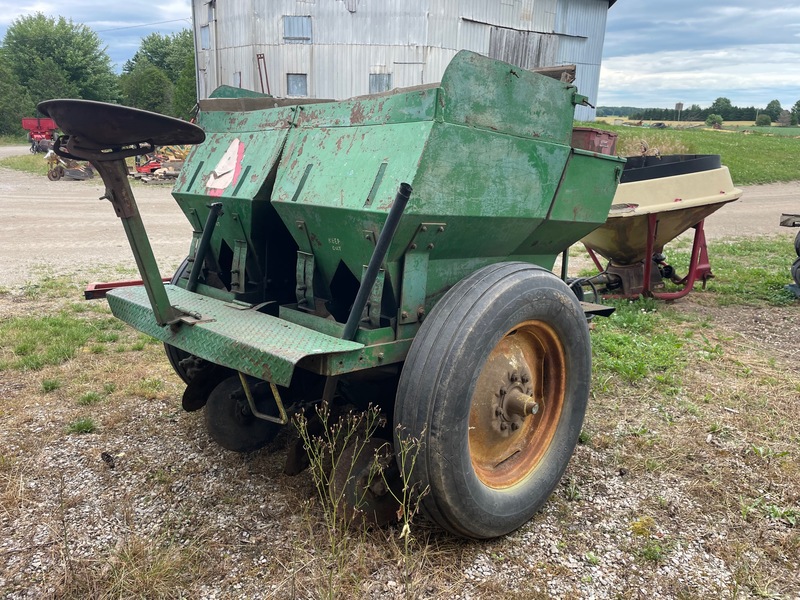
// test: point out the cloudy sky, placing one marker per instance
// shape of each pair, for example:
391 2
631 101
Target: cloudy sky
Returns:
660 52
657 52
121 24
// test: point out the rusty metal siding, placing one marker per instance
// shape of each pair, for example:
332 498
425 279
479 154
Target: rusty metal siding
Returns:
413 40
587 78
473 36
528 15
524 48
582 24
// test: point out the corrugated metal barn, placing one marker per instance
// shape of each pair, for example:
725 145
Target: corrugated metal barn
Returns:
343 48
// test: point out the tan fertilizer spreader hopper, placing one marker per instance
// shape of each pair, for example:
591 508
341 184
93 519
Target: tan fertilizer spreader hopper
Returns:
658 199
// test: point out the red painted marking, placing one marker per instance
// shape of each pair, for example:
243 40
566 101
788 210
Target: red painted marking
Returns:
237 170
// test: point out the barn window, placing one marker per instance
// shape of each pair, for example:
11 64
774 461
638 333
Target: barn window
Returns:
380 82
296 84
296 30
205 37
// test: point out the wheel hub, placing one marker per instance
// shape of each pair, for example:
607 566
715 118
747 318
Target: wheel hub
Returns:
514 403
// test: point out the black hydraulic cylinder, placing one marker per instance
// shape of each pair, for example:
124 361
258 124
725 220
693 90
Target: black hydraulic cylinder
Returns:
205 242
376 260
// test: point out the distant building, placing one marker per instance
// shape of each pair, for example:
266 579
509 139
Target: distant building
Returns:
343 48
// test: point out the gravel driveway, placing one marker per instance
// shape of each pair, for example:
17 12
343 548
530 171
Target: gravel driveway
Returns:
147 507
62 226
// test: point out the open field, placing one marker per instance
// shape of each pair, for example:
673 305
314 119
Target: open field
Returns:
776 155
727 125
685 485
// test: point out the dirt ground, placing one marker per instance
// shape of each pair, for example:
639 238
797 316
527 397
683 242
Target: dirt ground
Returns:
62 226
668 498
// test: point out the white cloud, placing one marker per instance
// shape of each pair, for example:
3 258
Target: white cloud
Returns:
657 53
120 25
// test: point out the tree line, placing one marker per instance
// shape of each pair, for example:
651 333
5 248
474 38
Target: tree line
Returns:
43 57
721 107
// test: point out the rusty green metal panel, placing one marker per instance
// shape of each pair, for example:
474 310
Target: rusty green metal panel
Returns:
382 109
245 340
235 166
582 201
340 182
307 189
484 153
228 91
489 94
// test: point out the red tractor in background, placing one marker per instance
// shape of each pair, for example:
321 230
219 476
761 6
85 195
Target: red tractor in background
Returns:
40 132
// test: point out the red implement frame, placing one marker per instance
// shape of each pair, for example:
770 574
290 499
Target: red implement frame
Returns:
39 128
99 290
699 266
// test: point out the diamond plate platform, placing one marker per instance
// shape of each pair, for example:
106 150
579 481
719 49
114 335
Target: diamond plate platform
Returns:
245 340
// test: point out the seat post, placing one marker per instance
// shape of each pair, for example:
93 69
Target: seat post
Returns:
119 193
106 134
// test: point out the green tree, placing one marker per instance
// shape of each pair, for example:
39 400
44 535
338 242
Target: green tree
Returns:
15 102
773 109
185 97
169 53
58 58
796 113
722 107
763 120
713 119
147 87
173 56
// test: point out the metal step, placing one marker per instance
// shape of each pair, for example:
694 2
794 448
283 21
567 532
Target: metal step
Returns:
229 334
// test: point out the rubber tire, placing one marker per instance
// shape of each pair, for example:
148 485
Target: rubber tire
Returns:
797 243
240 433
796 271
441 370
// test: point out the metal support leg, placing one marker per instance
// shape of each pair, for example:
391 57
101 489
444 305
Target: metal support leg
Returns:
652 231
699 267
118 191
215 210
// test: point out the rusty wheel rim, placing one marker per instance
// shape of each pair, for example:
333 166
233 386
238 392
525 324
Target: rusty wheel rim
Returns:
524 374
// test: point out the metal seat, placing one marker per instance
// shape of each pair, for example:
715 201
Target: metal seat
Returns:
102 131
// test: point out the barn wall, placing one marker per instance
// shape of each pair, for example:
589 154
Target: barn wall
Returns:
338 44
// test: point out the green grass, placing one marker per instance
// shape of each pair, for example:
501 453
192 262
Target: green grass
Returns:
50 385
89 398
752 158
30 343
780 131
33 342
29 163
635 344
48 286
82 425
13 140
748 271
